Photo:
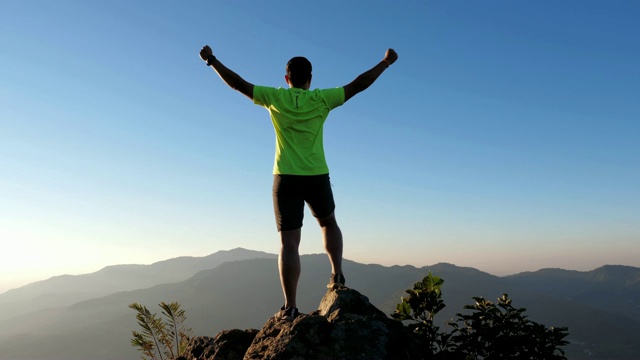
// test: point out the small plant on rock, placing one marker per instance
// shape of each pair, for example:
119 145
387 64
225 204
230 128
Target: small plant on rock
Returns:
418 310
162 338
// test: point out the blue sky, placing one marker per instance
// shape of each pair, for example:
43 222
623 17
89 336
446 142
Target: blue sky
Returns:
505 137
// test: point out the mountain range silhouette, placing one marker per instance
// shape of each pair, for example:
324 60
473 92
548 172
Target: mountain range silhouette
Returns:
87 316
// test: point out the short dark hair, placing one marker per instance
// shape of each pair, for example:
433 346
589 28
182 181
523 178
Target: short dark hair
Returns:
299 71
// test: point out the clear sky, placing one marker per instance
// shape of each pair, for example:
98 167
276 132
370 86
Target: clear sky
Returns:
506 137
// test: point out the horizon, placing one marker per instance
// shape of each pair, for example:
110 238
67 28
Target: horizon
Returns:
28 282
505 137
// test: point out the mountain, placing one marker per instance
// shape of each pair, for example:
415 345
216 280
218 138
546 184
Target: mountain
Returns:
65 290
615 288
246 293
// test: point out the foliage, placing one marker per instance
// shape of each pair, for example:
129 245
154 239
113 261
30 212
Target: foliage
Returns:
424 301
161 337
489 332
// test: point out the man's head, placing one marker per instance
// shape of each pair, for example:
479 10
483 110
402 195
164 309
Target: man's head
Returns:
298 73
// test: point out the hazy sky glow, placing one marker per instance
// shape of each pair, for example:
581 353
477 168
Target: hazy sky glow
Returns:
505 138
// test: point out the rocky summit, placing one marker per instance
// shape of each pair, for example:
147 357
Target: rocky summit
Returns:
345 326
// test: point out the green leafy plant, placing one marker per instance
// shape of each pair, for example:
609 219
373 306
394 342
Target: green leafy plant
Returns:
161 337
418 310
503 332
490 331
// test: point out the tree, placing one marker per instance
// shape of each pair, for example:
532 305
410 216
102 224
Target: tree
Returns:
162 338
488 332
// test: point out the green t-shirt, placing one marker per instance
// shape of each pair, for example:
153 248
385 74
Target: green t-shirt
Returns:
298 117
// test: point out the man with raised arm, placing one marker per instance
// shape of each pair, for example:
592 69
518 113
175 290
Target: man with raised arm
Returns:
300 171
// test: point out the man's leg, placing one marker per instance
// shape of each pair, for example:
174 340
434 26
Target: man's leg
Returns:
332 238
289 265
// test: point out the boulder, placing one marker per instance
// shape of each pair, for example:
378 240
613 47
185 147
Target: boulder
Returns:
227 345
345 326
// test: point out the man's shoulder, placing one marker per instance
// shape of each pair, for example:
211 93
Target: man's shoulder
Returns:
328 92
324 90
267 88
314 91
334 96
264 95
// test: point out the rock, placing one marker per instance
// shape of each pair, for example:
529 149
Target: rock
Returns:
227 345
345 326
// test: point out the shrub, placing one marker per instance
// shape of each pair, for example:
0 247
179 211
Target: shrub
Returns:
489 332
161 337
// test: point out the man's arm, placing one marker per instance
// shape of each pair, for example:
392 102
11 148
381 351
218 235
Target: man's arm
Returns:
368 77
227 75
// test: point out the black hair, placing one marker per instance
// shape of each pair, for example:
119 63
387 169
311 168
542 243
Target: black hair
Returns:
299 71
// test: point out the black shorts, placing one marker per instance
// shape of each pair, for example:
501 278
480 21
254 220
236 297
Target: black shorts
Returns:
290 192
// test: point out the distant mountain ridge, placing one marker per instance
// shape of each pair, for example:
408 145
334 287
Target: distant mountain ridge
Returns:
66 290
615 288
245 293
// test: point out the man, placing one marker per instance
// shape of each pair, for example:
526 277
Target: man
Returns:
300 170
